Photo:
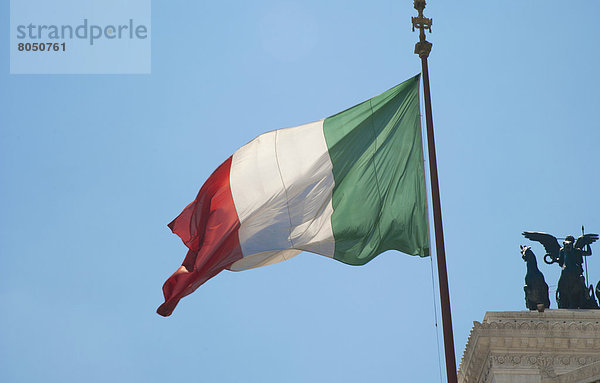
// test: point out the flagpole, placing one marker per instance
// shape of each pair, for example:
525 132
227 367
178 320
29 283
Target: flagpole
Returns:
422 48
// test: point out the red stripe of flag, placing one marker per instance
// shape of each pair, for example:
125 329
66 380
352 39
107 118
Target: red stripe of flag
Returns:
209 228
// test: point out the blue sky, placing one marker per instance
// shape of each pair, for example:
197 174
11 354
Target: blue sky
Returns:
93 167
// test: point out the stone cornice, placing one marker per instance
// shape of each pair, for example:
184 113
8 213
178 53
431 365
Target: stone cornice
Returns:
549 344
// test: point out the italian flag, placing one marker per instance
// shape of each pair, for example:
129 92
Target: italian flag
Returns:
348 187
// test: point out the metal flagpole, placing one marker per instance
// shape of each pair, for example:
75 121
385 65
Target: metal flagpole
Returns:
422 48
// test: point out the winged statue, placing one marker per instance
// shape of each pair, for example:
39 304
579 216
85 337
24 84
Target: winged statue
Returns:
572 291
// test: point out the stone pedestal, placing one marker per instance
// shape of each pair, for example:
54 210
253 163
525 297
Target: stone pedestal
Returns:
533 347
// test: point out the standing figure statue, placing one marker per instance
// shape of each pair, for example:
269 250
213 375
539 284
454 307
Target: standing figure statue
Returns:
536 288
572 291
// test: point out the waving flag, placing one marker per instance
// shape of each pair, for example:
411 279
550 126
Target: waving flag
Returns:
348 187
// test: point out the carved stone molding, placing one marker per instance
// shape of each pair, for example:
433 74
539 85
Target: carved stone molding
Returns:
555 344
542 360
587 374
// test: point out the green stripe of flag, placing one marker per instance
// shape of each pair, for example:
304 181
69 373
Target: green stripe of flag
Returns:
379 199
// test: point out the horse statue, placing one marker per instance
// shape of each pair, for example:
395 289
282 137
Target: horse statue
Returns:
536 289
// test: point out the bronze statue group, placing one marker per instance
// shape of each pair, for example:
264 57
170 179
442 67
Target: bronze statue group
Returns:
572 291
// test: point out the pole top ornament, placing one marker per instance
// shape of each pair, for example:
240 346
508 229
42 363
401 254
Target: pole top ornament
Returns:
423 47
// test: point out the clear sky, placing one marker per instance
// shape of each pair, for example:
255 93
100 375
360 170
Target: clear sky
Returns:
93 167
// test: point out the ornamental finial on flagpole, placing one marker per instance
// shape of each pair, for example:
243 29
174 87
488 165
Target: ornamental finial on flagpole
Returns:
423 47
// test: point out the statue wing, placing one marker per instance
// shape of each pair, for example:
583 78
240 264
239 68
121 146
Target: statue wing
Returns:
585 239
548 240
